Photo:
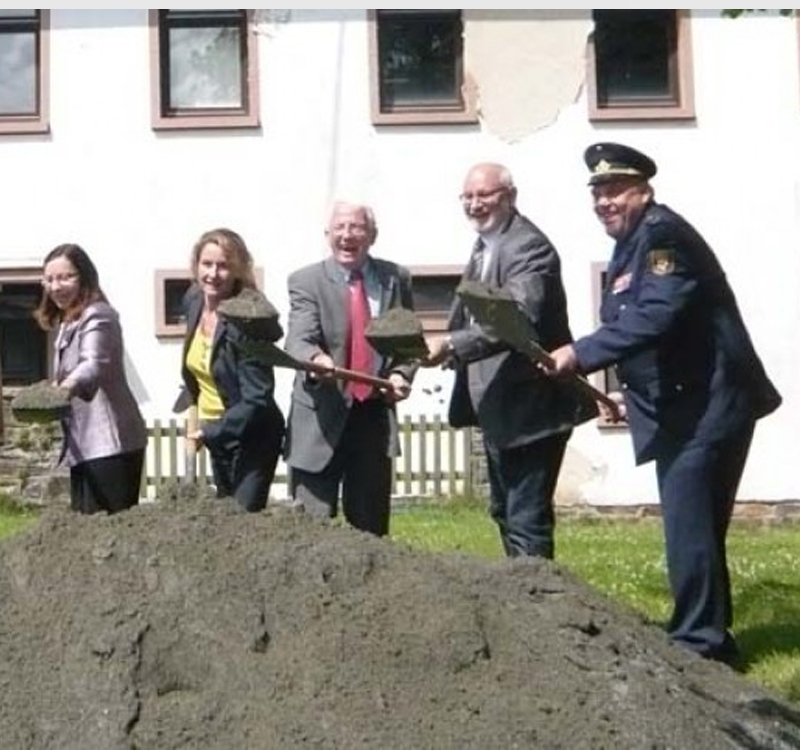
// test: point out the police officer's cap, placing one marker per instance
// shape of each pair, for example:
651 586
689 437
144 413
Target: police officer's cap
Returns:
612 161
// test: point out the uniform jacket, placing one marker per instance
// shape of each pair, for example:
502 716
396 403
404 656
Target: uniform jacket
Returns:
245 383
104 419
496 387
318 322
670 320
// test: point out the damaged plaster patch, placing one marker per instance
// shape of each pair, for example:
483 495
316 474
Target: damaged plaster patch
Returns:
527 66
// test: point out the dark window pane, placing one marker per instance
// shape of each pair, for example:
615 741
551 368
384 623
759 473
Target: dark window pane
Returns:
174 289
609 375
23 345
419 56
434 293
634 52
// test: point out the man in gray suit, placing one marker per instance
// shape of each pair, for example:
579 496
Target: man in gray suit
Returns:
525 418
339 437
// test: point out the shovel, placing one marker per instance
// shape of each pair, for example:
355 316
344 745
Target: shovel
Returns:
278 357
497 311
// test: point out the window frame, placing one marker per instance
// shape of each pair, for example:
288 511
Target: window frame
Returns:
161 276
682 109
40 121
161 119
465 113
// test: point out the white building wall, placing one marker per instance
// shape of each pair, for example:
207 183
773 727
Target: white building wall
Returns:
137 200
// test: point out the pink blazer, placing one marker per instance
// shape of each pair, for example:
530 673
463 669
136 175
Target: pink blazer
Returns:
104 418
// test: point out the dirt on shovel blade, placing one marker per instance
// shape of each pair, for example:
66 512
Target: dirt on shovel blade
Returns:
397 333
253 313
39 403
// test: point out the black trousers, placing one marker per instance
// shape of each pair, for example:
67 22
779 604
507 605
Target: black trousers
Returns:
359 466
246 471
109 484
697 488
522 482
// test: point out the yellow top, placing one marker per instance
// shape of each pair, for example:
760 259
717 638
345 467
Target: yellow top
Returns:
198 360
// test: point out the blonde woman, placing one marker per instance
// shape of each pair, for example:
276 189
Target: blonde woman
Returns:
239 422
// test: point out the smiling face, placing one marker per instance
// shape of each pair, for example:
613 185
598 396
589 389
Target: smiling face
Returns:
214 273
61 281
350 232
488 197
620 203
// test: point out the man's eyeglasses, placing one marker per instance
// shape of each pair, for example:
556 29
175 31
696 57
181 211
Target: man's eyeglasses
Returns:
481 196
62 278
356 229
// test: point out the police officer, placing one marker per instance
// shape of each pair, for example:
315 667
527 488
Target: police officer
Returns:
692 383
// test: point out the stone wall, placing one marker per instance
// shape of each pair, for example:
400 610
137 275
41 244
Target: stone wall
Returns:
28 459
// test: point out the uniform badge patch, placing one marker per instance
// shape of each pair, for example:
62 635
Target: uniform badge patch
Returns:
661 262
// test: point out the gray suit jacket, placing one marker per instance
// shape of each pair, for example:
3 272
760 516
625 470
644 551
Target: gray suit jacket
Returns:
497 388
318 322
104 419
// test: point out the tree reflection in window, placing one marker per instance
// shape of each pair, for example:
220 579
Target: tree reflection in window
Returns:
207 60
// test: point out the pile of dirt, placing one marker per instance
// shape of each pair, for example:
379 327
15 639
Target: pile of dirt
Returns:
193 625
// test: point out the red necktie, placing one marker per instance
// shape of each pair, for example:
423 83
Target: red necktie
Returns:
360 350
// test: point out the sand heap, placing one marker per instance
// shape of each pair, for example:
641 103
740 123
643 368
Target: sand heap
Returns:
192 625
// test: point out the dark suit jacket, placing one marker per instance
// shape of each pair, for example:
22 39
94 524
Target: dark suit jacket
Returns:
498 388
686 363
318 322
245 383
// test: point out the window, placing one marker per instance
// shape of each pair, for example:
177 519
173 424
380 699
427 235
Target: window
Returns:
434 292
24 71
417 67
204 69
24 346
640 65
170 288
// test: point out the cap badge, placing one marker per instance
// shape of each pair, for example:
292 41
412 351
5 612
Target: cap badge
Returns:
602 167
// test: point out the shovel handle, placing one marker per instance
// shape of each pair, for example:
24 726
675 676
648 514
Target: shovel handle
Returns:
344 374
546 360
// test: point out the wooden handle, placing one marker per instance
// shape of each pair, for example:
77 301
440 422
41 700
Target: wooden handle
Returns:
345 374
602 398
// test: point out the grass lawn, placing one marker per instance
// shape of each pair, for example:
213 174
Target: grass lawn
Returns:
624 558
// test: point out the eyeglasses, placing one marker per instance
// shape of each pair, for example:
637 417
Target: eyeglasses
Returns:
355 228
62 278
481 196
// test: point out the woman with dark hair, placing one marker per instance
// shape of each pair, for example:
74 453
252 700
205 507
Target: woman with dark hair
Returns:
104 432
239 422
